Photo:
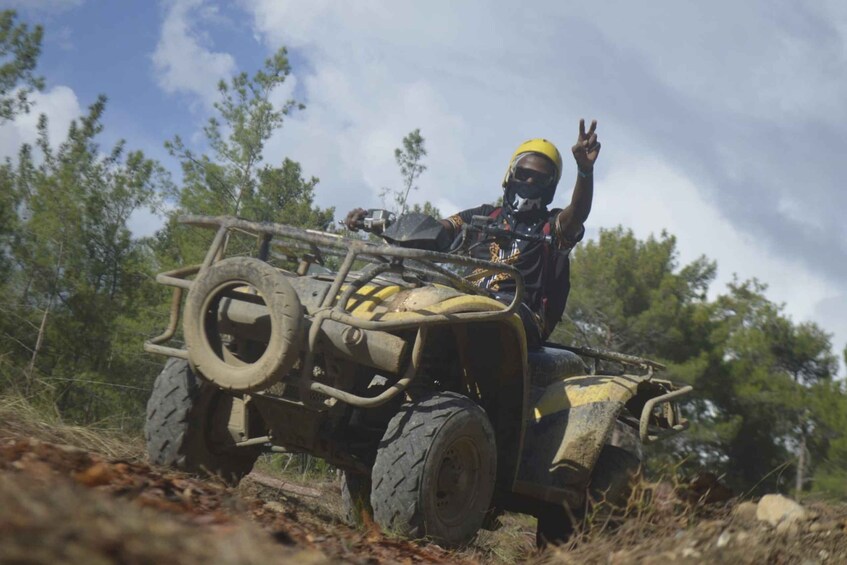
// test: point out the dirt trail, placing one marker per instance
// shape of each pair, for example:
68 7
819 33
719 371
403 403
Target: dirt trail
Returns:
61 503
64 504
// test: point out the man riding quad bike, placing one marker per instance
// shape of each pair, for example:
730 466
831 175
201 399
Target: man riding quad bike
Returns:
529 186
393 364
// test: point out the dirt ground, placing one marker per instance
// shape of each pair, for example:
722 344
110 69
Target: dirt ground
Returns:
69 496
64 504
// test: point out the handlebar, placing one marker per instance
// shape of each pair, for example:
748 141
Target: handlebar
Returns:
482 224
377 221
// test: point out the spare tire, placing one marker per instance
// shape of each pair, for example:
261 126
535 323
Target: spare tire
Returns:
208 353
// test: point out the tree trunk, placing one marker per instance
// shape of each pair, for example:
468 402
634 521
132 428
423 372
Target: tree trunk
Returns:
801 464
43 326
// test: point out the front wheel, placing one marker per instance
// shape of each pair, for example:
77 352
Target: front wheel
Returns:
356 498
435 470
186 426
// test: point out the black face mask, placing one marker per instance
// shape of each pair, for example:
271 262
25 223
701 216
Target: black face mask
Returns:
525 196
528 190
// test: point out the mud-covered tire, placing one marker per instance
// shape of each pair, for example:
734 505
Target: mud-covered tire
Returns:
612 479
284 311
556 525
435 470
181 422
355 498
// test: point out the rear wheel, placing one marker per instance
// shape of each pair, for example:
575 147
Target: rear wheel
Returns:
612 480
556 525
435 470
186 426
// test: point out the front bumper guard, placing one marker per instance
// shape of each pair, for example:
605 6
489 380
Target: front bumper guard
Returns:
661 417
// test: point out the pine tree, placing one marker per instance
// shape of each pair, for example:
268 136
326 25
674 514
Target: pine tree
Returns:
79 276
20 48
233 179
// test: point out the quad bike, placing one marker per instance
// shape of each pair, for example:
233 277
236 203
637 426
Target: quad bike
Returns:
399 370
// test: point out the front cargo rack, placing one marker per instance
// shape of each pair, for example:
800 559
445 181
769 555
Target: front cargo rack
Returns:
381 260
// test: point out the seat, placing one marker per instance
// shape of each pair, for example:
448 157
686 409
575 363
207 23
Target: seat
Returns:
548 364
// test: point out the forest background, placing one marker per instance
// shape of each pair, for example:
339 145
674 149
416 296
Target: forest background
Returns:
78 295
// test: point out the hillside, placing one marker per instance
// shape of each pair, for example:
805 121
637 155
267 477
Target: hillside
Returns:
74 495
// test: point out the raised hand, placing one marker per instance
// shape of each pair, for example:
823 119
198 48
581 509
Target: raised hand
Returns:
587 148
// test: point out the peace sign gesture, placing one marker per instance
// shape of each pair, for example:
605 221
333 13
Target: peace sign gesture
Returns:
587 148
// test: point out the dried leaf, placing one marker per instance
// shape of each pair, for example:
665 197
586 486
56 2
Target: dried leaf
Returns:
96 475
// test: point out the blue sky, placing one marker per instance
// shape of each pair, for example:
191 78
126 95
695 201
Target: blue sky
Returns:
106 47
721 122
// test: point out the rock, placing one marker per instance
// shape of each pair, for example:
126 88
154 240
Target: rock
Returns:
691 552
775 508
723 539
788 528
274 506
745 513
825 526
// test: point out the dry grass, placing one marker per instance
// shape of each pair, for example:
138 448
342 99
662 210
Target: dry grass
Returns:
653 513
513 542
21 418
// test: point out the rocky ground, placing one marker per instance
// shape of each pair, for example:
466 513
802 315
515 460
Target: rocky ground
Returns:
70 495
772 530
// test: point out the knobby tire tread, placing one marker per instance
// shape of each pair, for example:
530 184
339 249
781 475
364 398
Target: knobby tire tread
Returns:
398 469
175 428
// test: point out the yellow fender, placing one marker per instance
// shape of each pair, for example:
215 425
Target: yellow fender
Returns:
570 422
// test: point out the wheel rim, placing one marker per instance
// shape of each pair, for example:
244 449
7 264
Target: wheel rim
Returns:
456 486
223 348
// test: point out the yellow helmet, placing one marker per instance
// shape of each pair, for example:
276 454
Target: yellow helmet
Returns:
540 146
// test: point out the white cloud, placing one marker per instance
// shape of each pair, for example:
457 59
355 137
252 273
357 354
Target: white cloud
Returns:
183 62
754 58
713 116
648 197
144 223
366 90
60 104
